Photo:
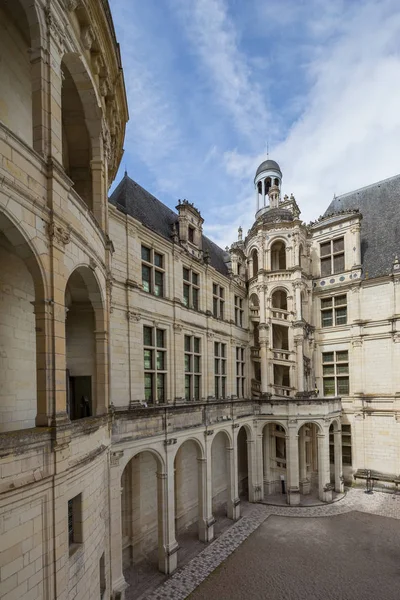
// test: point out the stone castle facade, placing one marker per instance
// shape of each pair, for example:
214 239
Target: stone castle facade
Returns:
148 378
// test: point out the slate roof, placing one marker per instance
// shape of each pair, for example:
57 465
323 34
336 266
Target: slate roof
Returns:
268 165
129 197
379 205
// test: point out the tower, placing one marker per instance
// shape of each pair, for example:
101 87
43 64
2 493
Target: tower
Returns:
268 181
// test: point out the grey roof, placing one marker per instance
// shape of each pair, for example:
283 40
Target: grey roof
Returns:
268 165
130 198
380 226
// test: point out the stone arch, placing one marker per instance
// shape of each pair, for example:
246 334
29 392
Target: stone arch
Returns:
196 441
317 424
24 331
278 254
188 489
242 460
254 258
275 452
279 298
128 455
86 345
220 474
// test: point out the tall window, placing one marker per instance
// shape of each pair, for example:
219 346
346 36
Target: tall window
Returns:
192 367
191 288
334 310
335 367
239 311
346 445
220 369
332 257
152 271
75 521
240 363
155 364
218 301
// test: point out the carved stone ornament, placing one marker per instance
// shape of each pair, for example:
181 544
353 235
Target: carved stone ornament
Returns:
115 457
72 5
54 27
132 316
357 342
59 233
87 37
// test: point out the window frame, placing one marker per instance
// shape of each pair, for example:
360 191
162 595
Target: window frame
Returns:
75 526
154 373
333 309
239 310
192 377
193 289
331 256
337 374
154 270
220 373
218 301
240 372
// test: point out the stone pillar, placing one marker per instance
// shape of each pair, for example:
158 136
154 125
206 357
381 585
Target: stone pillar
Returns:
337 436
101 338
206 518
263 331
324 475
304 482
98 192
167 544
292 466
257 198
269 484
298 302
253 484
233 507
118 583
263 191
259 480
44 364
300 363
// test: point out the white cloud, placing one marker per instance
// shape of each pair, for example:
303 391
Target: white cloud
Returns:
212 34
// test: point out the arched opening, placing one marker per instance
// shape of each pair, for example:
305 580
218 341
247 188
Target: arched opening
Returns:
282 380
140 519
15 70
254 257
187 499
278 256
220 479
242 464
22 395
267 185
308 459
76 143
276 181
279 300
254 305
280 337
274 459
85 346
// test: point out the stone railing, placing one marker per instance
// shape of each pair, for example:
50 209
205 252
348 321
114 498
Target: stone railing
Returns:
280 354
281 390
282 315
255 352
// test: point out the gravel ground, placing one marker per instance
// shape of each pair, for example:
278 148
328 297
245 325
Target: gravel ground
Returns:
351 556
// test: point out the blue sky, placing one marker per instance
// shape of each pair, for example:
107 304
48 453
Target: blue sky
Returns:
211 82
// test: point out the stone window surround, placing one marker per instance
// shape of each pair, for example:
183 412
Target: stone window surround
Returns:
75 529
218 301
240 372
155 265
334 309
153 350
192 354
191 288
239 311
220 369
335 256
339 366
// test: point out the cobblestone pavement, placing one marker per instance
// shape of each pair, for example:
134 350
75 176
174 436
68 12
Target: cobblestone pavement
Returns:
186 579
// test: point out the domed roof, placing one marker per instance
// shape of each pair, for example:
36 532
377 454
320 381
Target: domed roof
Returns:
269 165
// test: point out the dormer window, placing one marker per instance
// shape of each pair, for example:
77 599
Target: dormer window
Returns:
191 234
332 257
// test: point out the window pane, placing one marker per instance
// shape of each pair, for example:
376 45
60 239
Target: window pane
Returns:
215 289
223 394
342 355
186 275
342 369
195 298
186 294
191 234
146 253
216 348
341 316
338 245
158 259
327 318
147 336
187 343
196 366
340 300
159 283
187 387
343 386
216 365
329 386
148 359
221 292
325 249
338 263
195 279
161 388
327 357
148 387
223 349
221 309
329 369
216 390
187 363
197 345
146 278
160 338
161 361
197 387
326 302
223 367
215 307
325 267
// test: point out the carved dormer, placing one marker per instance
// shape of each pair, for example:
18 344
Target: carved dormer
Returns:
190 228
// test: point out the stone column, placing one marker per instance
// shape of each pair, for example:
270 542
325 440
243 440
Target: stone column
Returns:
259 479
233 507
44 364
300 363
269 484
118 583
98 192
167 544
292 466
337 436
206 518
257 198
298 302
324 475
101 338
263 330
263 191
304 482
254 486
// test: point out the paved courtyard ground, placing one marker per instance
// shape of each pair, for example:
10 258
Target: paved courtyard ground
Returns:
352 556
338 551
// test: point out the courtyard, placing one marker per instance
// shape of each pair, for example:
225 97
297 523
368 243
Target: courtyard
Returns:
348 550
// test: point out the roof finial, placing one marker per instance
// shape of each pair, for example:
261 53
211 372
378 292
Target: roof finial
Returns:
126 171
